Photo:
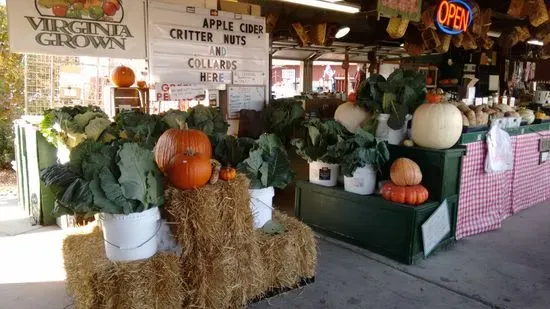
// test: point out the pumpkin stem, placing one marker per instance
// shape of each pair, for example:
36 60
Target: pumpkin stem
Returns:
182 124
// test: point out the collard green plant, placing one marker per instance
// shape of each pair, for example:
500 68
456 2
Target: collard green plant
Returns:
139 127
320 135
116 178
210 120
230 150
360 150
405 91
268 164
284 117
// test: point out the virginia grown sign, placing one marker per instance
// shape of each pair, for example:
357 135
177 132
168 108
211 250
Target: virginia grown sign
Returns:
102 28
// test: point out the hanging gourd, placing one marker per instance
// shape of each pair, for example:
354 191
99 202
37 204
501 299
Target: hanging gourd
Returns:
123 76
436 125
410 195
351 116
405 172
176 141
189 170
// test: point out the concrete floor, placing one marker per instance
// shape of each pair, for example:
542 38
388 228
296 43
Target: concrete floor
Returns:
509 268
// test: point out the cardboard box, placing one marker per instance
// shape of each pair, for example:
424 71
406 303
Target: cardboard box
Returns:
240 8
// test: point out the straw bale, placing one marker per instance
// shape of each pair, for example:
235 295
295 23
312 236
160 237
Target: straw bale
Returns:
95 282
290 257
214 227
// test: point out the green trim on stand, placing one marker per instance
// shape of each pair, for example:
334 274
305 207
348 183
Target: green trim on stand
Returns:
473 137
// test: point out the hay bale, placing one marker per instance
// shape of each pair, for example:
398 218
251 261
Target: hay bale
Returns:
287 258
95 282
214 227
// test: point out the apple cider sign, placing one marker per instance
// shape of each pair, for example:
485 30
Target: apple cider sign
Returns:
453 16
106 28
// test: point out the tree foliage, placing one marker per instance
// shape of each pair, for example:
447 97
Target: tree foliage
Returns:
12 99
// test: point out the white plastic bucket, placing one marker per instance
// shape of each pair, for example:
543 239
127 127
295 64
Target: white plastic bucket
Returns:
396 137
323 174
261 204
382 128
131 237
363 181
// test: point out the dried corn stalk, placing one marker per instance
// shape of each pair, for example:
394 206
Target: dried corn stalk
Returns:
271 21
516 8
457 40
445 42
300 34
318 34
430 38
397 27
538 13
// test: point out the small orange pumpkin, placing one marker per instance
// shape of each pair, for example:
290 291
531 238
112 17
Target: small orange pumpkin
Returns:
175 141
411 195
142 84
123 76
189 171
228 173
405 172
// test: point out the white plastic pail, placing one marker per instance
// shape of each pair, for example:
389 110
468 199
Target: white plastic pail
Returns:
131 237
323 174
363 181
261 204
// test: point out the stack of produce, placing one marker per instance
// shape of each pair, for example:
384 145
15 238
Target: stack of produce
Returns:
405 187
481 115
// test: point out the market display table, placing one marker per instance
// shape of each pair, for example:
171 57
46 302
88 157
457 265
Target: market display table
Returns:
487 199
390 229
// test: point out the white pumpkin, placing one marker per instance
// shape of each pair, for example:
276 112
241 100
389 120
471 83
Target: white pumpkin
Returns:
436 126
351 116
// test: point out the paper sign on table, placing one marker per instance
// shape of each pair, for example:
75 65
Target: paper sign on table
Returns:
436 228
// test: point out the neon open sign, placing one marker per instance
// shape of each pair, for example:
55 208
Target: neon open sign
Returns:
453 16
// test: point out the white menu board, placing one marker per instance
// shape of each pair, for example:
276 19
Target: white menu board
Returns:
191 45
244 97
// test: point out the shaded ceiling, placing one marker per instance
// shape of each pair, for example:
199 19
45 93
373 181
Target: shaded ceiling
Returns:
368 32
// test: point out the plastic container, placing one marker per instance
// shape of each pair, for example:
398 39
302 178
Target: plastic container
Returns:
323 174
382 129
131 237
363 181
261 205
396 137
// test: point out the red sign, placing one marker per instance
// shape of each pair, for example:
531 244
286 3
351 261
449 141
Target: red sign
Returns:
453 16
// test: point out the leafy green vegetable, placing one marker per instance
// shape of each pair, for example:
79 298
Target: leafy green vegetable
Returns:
67 125
320 136
408 91
229 150
210 120
175 118
268 164
140 128
360 150
95 128
284 116
371 92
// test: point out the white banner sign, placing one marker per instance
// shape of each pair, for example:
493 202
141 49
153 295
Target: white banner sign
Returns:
188 93
196 46
110 28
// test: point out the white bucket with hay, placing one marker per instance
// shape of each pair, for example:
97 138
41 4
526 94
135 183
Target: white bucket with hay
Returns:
261 204
131 237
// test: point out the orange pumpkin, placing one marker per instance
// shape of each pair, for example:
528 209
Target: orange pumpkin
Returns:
123 76
189 171
175 141
142 84
228 173
405 172
411 195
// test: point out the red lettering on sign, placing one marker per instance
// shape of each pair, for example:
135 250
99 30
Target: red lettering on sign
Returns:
453 15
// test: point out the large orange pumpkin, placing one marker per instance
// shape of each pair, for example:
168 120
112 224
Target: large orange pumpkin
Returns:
176 141
405 172
189 171
411 195
123 76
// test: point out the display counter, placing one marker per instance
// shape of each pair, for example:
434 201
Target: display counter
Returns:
485 200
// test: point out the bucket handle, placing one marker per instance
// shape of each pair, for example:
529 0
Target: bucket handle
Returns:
139 246
257 199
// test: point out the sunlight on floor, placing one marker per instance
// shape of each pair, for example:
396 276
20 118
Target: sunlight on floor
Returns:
9 213
32 257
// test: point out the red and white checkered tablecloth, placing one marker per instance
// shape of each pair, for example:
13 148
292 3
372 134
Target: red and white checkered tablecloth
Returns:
531 180
488 199
484 198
